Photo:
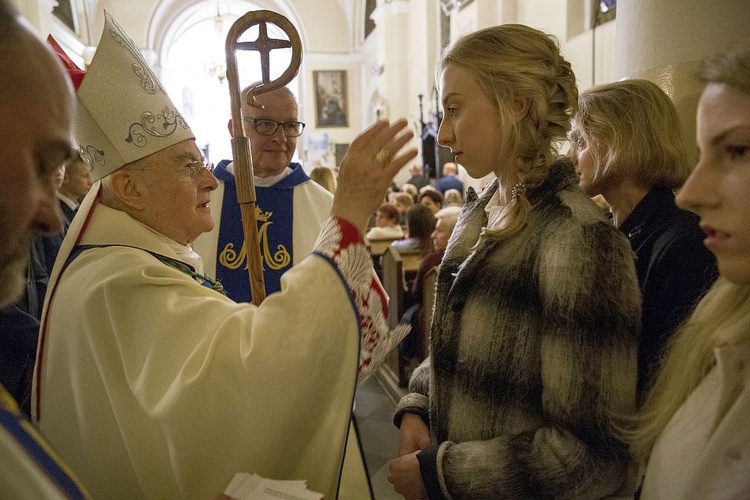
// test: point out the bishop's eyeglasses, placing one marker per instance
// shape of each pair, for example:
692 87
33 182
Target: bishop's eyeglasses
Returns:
196 168
265 126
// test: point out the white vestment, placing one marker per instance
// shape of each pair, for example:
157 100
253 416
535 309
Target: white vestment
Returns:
151 385
312 205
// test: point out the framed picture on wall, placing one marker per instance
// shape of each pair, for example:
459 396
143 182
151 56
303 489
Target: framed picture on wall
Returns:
330 99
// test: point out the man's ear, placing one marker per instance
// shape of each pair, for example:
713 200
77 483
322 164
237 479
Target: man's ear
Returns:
229 126
128 187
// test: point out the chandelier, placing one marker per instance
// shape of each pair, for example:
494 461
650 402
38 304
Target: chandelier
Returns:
216 68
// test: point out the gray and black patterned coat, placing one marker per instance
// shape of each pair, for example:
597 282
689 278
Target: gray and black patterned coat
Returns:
533 351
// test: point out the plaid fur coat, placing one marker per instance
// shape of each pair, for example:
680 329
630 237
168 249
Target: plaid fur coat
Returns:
533 352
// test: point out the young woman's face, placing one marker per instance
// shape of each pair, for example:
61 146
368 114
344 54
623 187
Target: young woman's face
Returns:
471 125
718 190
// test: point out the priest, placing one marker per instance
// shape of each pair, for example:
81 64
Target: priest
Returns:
291 207
151 382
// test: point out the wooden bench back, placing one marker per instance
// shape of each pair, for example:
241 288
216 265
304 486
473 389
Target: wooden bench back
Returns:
393 283
378 247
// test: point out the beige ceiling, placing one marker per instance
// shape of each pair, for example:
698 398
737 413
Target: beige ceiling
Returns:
324 25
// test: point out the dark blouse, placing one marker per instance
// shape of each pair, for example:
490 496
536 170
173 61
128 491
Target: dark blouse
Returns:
674 271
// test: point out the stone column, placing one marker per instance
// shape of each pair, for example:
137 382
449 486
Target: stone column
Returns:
392 20
665 40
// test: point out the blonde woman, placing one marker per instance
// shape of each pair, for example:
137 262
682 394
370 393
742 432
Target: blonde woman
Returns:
324 176
694 424
627 146
453 197
403 202
533 343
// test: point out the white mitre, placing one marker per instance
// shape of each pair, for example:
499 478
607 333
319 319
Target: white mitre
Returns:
124 114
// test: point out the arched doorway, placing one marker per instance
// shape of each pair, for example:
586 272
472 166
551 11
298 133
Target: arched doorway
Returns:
193 68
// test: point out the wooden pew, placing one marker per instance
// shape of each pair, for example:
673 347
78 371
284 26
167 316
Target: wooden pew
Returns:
378 247
392 277
393 282
398 269
411 261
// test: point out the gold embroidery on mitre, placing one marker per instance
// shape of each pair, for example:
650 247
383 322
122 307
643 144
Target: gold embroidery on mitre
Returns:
154 124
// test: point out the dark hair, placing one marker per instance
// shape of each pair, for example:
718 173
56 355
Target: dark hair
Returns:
8 14
435 196
390 211
421 223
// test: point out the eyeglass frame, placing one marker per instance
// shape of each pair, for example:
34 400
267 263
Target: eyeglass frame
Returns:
194 172
255 121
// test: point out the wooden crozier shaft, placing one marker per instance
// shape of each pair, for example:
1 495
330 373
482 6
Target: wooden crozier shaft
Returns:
246 198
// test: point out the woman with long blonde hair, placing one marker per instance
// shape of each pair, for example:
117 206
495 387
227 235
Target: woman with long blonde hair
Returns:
693 429
534 330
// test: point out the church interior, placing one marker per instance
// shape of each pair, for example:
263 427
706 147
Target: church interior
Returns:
365 60
376 58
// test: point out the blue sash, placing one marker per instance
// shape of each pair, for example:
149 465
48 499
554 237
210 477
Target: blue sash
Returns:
275 221
26 436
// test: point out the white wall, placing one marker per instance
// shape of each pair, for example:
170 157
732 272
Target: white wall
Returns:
405 46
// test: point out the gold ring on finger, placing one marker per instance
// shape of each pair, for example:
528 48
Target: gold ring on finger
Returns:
383 156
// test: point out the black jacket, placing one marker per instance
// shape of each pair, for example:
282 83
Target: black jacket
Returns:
674 271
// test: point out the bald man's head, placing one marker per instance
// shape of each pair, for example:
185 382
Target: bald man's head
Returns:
450 168
36 115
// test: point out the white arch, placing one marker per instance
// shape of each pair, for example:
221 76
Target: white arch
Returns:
171 17
201 98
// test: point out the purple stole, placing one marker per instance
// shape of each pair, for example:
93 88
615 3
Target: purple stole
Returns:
274 211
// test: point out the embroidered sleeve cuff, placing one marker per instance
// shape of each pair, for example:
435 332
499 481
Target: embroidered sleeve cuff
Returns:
342 244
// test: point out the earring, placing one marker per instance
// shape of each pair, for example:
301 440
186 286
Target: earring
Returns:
519 189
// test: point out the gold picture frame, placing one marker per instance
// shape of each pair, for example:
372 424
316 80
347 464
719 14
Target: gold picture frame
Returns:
331 100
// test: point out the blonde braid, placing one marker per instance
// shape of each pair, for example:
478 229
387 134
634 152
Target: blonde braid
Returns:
525 63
